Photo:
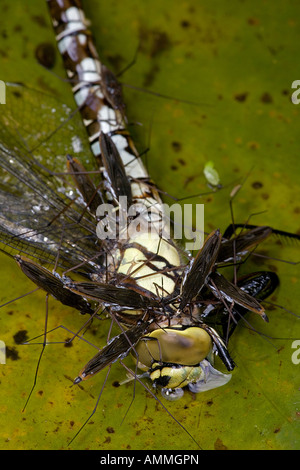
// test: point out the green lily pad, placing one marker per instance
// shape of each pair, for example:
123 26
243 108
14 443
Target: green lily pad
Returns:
229 68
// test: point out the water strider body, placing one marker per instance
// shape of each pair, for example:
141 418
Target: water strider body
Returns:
173 315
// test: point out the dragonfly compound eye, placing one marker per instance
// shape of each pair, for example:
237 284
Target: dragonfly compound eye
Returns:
176 345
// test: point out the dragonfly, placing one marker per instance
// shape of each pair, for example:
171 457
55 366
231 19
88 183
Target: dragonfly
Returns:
173 317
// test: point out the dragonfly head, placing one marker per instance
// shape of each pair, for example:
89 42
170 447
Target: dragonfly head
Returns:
176 357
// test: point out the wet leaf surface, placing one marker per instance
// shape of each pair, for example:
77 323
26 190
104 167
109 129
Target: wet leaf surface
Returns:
236 62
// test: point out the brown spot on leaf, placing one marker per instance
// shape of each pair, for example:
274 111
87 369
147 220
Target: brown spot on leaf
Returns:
12 353
257 185
253 21
160 43
117 61
150 75
153 41
253 145
219 445
188 180
45 55
266 98
185 24
17 94
20 337
176 146
68 343
40 20
18 28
